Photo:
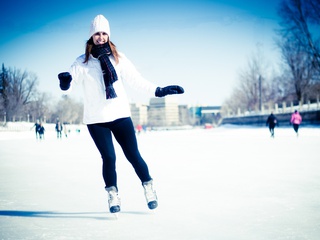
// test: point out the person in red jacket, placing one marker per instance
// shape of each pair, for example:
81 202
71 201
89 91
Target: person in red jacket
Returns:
296 120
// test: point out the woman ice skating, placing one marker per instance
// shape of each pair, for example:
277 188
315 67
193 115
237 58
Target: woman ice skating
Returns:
101 71
296 120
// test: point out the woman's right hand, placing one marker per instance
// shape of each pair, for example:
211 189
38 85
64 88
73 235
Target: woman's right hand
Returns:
65 80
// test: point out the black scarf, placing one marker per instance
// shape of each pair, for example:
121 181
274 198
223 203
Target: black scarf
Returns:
102 52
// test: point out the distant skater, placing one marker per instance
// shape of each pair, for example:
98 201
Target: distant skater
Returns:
36 127
41 131
65 130
272 122
102 71
59 129
296 120
139 128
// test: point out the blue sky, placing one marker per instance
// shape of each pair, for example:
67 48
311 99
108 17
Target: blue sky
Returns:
200 45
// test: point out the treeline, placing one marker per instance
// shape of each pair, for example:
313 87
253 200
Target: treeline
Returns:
297 77
20 100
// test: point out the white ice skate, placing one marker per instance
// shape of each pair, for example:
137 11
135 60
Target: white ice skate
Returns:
150 195
114 200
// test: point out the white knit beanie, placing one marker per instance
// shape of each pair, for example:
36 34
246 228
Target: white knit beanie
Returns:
99 24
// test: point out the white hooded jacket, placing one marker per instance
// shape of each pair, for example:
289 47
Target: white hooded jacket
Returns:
98 109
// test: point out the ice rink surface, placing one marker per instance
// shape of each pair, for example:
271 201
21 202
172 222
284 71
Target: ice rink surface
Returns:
226 183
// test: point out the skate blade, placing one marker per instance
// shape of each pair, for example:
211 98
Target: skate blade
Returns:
115 215
153 211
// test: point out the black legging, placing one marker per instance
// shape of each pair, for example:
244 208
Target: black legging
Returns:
124 133
271 129
296 127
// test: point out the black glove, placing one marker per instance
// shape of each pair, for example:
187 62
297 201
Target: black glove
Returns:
172 89
65 79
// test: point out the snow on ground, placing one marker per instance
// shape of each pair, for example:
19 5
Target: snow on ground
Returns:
225 183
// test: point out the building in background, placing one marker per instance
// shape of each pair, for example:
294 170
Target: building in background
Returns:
204 115
165 112
139 114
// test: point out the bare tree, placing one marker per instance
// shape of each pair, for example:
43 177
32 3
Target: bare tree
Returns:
236 101
253 89
250 85
313 10
260 86
40 107
3 92
313 7
20 100
68 110
300 65
17 90
299 39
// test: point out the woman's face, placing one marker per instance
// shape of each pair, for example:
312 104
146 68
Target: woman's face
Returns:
100 38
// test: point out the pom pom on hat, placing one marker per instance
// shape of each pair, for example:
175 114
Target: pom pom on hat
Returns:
99 24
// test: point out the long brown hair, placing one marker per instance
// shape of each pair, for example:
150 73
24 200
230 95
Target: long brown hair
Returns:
90 44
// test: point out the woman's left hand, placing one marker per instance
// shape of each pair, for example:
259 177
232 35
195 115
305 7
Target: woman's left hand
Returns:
172 89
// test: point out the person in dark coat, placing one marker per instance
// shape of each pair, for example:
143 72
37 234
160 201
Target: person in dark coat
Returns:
36 127
41 131
272 122
59 129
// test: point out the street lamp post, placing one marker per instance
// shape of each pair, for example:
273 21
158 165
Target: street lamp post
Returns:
260 92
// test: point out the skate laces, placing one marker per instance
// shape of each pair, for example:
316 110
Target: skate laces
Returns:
114 199
149 192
